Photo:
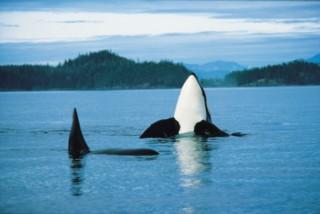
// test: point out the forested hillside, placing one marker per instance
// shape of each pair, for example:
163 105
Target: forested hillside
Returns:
292 73
99 70
106 70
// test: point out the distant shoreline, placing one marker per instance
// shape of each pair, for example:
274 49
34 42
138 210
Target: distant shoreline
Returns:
105 70
160 88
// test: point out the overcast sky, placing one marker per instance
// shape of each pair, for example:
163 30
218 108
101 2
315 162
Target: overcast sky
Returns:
251 33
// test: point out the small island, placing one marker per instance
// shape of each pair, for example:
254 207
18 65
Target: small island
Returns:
97 70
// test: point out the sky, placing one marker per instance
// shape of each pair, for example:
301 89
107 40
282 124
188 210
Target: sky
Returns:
252 33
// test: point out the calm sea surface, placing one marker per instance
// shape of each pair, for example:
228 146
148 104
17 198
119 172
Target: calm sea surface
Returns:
274 169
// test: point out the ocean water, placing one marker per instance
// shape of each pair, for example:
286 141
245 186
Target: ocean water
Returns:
275 168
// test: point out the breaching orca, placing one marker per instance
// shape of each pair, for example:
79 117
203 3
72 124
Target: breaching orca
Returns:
78 146
191 115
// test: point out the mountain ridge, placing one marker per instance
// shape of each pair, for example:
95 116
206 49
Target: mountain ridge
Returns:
214 69
314 59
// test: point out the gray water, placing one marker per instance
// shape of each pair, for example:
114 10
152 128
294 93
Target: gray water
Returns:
274 169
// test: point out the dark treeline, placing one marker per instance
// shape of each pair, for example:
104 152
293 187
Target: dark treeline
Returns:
292 73
99 70
106 70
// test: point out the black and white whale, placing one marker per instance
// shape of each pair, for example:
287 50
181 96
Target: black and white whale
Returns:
78 146
191 115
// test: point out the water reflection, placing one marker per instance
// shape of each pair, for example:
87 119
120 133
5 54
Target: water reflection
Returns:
193 159
77 175
188 210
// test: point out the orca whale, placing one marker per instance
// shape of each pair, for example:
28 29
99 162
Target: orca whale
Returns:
78 146
191 115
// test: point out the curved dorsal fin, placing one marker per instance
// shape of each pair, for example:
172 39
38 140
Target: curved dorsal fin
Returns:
77 143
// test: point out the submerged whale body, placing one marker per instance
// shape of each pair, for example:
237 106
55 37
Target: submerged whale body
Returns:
191 115
78 146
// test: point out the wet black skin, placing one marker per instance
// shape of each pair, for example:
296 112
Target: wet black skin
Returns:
162 129
170 127
206 129
78 146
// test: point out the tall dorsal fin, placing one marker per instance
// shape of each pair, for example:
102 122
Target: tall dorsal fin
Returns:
77 143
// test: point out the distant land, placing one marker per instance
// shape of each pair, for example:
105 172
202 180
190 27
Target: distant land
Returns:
314 59
98 70
216 69
297 72
106 70
219 69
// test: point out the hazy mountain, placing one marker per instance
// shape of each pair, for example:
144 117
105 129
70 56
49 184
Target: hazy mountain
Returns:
215 69
314 59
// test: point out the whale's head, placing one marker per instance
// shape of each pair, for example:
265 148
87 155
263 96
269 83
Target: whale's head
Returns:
191 106
191 116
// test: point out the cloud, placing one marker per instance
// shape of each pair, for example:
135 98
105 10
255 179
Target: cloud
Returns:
8 25
249 32
79 21
251 50
70 26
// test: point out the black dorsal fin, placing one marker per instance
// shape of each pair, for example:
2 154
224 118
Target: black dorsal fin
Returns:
77 143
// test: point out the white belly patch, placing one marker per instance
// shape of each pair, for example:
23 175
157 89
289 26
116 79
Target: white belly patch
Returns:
191 106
